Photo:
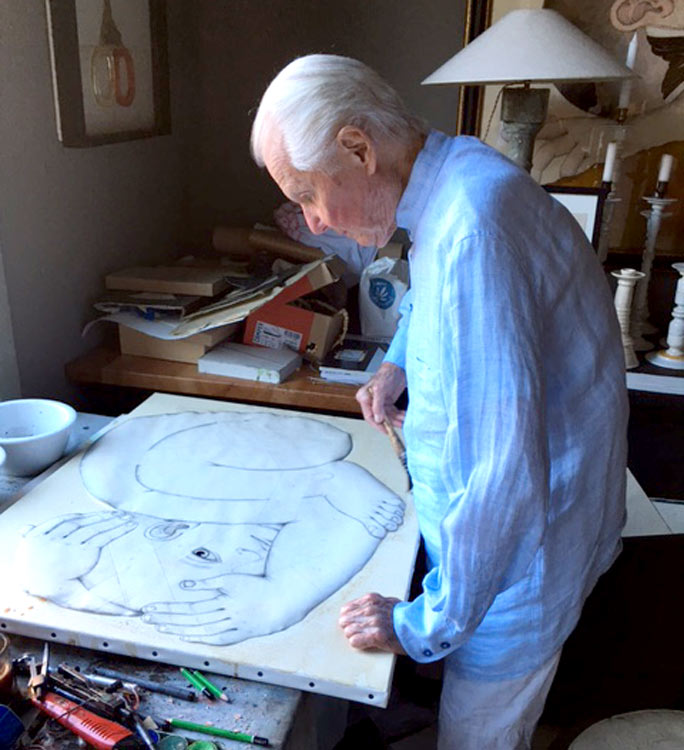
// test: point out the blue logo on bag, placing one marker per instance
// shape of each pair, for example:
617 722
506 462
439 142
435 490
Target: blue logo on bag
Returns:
382 293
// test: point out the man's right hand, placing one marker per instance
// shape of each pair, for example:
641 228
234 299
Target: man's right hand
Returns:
377 397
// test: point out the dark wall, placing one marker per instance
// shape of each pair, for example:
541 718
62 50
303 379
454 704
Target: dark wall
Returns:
235 47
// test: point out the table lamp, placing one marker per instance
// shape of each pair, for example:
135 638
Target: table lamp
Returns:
528 46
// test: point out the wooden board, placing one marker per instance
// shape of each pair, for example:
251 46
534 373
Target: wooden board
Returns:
311 654
200 282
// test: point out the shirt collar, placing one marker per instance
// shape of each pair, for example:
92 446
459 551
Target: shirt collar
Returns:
423 174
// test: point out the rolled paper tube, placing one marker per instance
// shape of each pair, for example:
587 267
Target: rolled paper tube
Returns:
284 247
232 240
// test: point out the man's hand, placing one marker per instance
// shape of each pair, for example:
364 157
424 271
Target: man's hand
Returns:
377 397
367 623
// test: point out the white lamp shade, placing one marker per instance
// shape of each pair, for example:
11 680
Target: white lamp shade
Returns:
530 45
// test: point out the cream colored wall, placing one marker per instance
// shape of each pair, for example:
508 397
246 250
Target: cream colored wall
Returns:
9 373
67 216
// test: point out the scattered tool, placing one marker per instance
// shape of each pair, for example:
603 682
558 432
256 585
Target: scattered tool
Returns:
215 691
228 734
100 732
154 687
196 683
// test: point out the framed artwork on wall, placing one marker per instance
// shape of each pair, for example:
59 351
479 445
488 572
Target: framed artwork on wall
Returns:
109 70
570 148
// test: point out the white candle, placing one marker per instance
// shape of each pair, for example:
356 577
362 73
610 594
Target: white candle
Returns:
626 88
666 164
609 166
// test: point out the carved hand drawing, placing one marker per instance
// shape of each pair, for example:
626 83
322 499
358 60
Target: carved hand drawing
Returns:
220 526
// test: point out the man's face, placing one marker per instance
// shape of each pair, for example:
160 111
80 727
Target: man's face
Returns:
352 202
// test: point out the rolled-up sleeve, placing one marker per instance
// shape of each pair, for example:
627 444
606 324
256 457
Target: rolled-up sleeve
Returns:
396 354
494 463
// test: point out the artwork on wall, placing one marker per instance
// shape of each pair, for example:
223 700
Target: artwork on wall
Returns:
109 69
199 531
581 122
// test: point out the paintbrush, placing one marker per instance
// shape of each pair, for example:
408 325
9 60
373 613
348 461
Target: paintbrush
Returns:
394 439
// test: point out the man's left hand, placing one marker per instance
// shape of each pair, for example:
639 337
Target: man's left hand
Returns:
367 623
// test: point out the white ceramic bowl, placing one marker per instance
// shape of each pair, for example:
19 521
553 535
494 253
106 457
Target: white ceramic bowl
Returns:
33 433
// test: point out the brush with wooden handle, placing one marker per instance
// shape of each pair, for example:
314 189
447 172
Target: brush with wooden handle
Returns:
394 439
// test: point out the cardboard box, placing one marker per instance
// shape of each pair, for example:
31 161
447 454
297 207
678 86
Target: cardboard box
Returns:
250 362
189 349
279 322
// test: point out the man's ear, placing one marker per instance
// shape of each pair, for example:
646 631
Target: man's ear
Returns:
357 147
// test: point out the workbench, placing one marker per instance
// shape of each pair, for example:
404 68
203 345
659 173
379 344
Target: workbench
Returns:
304 389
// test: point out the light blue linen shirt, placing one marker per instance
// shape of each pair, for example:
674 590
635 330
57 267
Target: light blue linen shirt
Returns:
517 416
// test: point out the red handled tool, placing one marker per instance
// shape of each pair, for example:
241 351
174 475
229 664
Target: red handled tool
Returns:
97 731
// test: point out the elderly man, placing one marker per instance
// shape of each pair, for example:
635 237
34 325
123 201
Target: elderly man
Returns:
509 347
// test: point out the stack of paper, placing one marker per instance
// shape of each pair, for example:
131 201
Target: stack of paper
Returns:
250 362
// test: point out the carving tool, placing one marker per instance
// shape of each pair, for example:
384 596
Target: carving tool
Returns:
190 677
228 734
210 686
101 733
153 687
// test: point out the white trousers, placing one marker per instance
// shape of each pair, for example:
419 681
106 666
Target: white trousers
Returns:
476 715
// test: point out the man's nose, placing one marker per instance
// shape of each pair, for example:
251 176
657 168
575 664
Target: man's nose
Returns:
313 221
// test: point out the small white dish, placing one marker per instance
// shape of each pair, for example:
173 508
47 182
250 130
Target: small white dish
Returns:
33 433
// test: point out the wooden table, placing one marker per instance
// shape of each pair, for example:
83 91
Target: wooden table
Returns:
103 366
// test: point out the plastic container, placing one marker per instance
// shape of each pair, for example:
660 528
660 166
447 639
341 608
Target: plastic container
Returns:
33 433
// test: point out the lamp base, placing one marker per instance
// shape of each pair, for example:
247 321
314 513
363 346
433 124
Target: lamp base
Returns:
523 111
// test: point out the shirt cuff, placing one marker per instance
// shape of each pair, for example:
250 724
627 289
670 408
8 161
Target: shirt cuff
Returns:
423 642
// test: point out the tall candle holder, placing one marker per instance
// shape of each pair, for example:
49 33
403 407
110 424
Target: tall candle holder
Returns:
673 356
654 217
626 281
606 220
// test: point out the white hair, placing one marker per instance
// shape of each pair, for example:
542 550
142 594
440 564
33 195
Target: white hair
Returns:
316 95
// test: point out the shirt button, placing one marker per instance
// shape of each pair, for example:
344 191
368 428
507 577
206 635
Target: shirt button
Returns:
427 652
444 644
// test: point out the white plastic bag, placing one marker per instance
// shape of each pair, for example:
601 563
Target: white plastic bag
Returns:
383 284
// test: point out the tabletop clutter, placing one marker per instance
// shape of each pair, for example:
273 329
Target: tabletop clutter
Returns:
46 705
257 306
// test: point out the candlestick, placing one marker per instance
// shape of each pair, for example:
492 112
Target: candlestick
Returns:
664 172
673 356
654 217
609 165
626 87
609 183
626 281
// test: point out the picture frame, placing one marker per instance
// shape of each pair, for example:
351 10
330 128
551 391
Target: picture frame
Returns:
585 204
478 16
110 70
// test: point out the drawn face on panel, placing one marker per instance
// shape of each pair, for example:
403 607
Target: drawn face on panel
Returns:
175 555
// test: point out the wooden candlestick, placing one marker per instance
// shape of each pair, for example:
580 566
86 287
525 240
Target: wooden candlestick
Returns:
626 281
673 356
